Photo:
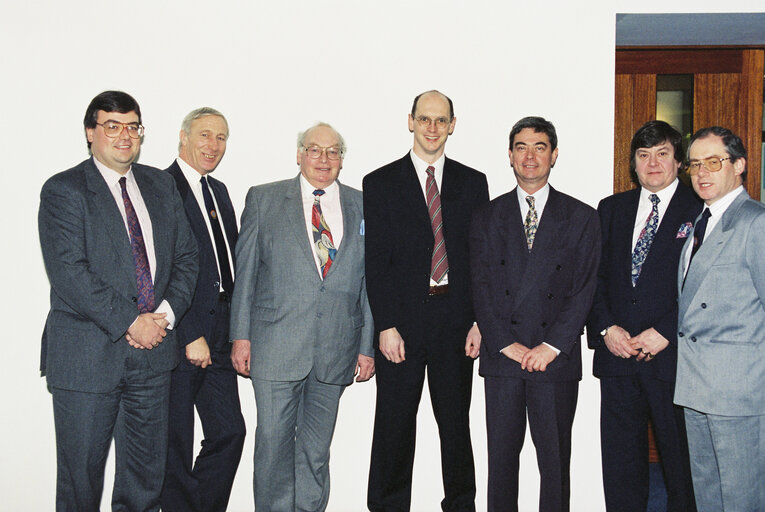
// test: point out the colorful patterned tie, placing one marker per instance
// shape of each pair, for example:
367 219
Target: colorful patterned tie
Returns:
141 260
439 263
220 242
645 239
531 223
322 236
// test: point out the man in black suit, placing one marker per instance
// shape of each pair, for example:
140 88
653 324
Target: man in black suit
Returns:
122 264
534 257
417 211
633 324
205 377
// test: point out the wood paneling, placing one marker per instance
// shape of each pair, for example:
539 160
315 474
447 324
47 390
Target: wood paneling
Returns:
635 105
678 62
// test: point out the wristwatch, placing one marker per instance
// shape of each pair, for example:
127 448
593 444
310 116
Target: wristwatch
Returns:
604 331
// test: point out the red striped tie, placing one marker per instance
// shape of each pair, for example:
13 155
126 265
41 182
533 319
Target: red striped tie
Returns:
439 264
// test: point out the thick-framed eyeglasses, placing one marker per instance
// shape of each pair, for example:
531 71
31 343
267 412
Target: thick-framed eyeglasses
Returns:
711 164
440 122
113 129
314 151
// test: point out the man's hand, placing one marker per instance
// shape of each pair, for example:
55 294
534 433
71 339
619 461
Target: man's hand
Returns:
198 352
392 345
618 342
365 368
473 342
240 356
146 332
516 351
648 343
537 358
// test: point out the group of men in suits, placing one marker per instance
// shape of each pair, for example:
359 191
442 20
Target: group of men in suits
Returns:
142 266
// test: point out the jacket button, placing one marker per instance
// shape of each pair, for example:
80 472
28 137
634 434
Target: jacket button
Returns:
134 299
507 292
634 301
544 324
693 339
502 262
680 334
549 295
703 305
513 322
217 284
212 311
319 314
558 267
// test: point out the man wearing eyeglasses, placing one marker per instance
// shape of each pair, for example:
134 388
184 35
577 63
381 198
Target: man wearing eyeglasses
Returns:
204 377
300 320
632 326
122 265
721 329
417 211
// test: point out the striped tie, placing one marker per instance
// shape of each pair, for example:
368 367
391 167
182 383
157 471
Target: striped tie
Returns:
439 264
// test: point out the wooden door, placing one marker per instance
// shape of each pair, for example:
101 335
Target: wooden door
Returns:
727 91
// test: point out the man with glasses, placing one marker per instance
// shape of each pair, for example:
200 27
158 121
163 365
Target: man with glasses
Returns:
204 377
417 211
632 327
721 329
300 320
122 265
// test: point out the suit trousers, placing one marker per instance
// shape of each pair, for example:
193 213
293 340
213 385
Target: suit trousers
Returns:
626 404
440 351
551 407
135 414
727 461
296 421
204 485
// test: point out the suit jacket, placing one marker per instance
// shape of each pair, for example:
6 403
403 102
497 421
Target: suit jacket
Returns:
294 320
721 326
653 301
538 296
399 242
86 250
199 321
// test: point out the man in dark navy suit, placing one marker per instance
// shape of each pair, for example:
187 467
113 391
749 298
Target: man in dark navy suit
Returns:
205 377
633 324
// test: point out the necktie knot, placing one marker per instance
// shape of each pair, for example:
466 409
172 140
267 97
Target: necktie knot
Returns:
530 201
318 192
430 171
123 183
706 213
654 199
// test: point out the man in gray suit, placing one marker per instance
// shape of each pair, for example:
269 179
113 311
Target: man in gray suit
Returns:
300 320
721 330
122 264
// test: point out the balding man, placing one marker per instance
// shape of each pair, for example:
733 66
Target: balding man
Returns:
300 320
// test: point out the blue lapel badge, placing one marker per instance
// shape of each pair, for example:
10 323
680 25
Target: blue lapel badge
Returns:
361 228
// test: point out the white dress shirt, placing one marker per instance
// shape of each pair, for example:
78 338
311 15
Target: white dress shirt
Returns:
194 179
717 210
330 209
421 167
645 206
112 179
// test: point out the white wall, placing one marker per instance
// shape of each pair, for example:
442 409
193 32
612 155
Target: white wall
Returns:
274 68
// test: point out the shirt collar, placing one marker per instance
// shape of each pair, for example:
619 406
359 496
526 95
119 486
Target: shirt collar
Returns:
191 174
540 197
722 204
665 194
421 166
111 176
306 190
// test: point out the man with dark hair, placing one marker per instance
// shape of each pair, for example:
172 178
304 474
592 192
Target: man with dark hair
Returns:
204 377
300 321
533 262
418 283
122 264
721 329
633 323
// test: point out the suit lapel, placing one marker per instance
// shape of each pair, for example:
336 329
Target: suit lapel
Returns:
108 213
228 215
625 230
412 195
351 223
190 204
293 206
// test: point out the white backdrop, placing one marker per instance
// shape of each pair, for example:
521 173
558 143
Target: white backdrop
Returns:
274 68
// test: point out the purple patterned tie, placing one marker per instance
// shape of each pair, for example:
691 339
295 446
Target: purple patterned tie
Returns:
141 260
645 239
439 264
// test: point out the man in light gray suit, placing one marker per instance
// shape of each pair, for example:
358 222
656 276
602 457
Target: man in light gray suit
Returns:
721 330
300 320
122 265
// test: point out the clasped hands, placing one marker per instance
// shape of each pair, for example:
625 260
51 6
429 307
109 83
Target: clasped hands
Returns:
147 331
644 346
531 359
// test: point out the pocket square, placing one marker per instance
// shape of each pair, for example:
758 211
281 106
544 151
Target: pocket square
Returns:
361 228
684 230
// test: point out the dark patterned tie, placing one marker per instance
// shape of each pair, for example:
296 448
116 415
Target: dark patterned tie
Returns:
698 232
141 260
645 239
439 263
322 236
531 223
220 241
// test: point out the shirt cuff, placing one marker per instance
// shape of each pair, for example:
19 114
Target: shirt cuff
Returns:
557 351
164 307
